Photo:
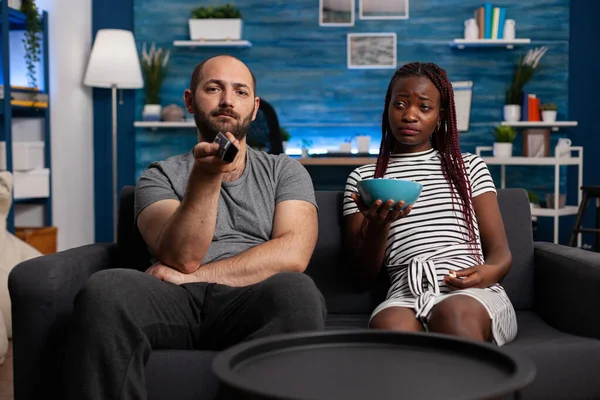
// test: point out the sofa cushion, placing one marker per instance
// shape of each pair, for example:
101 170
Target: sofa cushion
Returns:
181 374
328 266
567 365
516 215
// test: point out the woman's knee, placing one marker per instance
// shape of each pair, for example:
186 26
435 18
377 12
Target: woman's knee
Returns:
461 316
396 318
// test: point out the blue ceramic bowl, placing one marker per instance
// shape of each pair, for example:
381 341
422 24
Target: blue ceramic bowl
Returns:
385 189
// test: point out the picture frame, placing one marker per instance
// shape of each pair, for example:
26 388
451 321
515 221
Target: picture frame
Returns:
383 9
372 50
333 13
536 143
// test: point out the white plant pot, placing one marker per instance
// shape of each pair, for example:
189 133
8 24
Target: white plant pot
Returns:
215 29
151 112
512 112
503 149
285 145
549 115
346 147
304 153
362 142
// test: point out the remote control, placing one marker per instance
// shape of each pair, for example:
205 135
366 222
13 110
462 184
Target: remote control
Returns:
227 150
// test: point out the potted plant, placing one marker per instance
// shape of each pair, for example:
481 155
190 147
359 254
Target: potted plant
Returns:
549 111
346 146
533 199
216 23
32 42
504 136
514 95
154 65
285 137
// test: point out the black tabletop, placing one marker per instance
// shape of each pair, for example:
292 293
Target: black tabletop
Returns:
369 364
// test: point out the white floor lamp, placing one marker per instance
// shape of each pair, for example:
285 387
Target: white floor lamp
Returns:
114 63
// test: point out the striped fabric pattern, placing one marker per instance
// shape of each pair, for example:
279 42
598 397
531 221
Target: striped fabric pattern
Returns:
433 239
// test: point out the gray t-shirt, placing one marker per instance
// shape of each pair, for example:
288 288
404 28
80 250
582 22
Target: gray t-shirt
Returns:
246 206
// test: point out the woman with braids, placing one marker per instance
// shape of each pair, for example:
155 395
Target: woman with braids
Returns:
446 254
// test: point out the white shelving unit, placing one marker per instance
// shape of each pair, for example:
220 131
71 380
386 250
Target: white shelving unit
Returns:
508 43
212 43
540 124
573 159
165 124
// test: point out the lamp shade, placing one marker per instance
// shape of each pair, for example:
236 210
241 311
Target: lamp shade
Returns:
114 61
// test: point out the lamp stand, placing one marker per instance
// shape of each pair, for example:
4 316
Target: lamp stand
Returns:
114 161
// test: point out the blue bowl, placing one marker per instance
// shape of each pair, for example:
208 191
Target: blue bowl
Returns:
385 189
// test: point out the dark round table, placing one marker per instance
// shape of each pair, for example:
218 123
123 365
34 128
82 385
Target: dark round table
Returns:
369 364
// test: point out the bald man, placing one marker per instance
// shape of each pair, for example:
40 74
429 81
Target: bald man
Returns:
229 240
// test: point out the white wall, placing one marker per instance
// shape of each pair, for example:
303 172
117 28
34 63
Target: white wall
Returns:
70 41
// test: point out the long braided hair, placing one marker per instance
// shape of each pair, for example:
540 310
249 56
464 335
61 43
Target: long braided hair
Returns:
444 138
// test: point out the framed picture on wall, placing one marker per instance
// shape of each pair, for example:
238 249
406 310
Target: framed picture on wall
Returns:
336 12
383 9
372 50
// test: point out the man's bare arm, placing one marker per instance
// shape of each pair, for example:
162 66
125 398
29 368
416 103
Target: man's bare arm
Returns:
179 234
295 231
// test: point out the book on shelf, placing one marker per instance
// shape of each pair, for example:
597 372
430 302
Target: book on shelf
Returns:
490 21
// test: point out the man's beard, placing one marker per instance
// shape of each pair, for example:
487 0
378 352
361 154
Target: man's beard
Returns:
209 125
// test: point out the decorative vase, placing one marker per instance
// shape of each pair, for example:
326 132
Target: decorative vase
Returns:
503 150
362 143
173 112
549 115
512 112
151 112
304 153
508 31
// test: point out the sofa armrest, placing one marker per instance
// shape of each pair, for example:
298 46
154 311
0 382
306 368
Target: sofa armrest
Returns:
42 291
567 282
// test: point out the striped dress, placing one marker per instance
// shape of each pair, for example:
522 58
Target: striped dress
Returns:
432 240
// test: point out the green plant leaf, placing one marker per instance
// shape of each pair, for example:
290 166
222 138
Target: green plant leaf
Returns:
504 134
32 42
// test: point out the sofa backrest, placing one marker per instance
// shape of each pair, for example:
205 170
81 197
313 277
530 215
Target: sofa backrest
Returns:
329 267
133 252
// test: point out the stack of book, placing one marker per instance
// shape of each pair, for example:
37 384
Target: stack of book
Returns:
490 20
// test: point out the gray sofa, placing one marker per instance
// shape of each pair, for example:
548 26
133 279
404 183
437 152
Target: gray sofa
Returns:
556 290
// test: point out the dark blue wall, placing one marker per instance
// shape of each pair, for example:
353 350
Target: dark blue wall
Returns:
111 14
301 70
584 86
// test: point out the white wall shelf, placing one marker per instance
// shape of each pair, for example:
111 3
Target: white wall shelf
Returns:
573 159
541 124
550 212
164 124
212 43
530 160
508 43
